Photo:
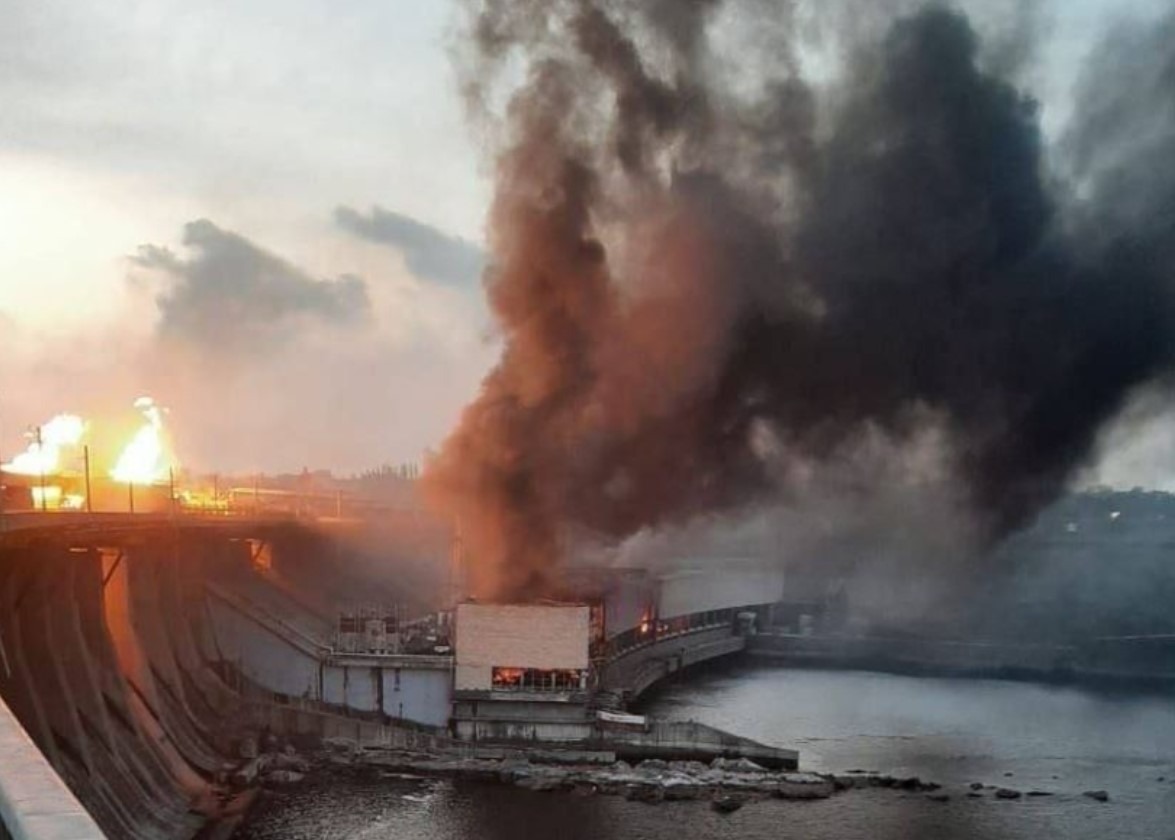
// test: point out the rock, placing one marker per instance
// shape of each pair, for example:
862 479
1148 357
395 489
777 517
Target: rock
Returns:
621 766
737 765
247 748
727 804
283 777
543 784
847 782
682 791
250 771
976 786
821 789
1040 793
340 745
971 794
1099 795
1007 793
289 761
584 789
1008 775
655 765
651 794
513 769
939 797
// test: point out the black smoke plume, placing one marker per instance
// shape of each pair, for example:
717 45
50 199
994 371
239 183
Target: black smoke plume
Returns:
709 269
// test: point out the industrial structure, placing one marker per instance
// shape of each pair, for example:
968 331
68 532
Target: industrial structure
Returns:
134 648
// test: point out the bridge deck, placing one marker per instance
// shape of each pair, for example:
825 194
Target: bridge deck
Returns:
17 528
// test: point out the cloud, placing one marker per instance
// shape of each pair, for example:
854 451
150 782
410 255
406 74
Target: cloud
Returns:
430 253
232 293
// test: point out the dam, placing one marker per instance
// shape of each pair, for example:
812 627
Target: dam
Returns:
142 654
140 651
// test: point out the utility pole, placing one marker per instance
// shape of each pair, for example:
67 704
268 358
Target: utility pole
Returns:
41 460
86 466
130 494
3 493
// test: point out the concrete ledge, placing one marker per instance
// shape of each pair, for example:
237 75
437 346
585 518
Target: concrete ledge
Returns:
691 741
406 661
34 803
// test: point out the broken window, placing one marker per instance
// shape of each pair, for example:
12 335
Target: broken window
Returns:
536 679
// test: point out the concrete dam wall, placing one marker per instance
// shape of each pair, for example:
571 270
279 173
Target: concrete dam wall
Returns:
107 668
135 658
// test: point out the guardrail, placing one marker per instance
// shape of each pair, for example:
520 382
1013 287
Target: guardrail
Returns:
636 659
658 630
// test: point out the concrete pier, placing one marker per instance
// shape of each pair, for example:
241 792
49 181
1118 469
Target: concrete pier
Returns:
34 803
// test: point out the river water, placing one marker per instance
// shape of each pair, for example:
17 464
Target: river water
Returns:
1030 737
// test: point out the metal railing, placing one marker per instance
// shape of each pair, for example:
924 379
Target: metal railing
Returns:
659 629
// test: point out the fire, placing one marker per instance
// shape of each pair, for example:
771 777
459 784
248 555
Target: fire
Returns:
54 497
43 456
143 460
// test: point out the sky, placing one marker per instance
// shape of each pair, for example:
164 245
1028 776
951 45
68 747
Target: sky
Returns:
269 217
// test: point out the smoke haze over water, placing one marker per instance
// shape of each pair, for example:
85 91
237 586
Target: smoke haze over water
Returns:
714 275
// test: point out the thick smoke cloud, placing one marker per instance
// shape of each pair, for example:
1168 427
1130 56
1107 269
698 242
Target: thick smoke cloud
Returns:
429 253
707 284
232 294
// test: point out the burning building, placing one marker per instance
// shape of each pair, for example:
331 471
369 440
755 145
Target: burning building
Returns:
522 672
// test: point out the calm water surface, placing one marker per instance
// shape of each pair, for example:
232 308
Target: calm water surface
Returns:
954 732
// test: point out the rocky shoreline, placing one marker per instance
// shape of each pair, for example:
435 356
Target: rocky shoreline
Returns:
727 784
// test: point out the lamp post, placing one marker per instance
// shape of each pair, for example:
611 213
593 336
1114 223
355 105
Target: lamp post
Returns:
41 465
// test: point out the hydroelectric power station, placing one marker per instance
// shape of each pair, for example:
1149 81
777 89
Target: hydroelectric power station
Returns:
144 655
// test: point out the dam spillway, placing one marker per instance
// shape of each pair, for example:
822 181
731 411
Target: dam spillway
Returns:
133 677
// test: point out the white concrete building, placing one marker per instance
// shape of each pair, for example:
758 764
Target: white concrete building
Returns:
522 672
